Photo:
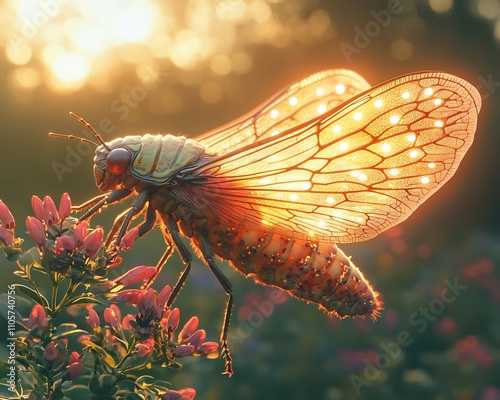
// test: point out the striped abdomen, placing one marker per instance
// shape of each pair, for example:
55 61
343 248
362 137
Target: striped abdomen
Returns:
309 270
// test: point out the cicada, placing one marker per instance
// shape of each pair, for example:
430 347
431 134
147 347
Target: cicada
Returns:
327 160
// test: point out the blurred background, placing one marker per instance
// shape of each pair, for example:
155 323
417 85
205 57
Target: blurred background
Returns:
133 67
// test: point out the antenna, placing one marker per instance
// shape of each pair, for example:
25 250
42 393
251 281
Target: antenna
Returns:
89 127
52 134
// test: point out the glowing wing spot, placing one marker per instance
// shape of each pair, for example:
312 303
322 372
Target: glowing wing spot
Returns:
340 89
363 177
439 124
386 147
438 102
394 119
320 91
265 222
355 173
337 129
378 103
293 101
274 114
411 137
321 108
431 165
321 224
358 116
265 181
425 179
428 91
305 185
294 197
330 200
311 233
344 146
359 219
414 154
405 95
394 171
276 132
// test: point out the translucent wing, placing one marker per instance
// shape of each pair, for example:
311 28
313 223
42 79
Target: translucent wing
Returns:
350 173
318 93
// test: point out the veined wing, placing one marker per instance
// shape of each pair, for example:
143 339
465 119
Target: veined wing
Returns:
317 93
351 173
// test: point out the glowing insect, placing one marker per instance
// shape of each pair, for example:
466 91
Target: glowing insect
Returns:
327 160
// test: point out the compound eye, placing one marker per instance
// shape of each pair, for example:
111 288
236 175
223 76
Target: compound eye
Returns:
117 161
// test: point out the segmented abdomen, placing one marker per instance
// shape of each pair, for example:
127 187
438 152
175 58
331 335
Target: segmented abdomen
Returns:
309 270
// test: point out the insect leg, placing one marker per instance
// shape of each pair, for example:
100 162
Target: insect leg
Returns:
138 205
185 254
100 201
208 255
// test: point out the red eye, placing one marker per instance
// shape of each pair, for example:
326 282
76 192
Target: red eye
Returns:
117 161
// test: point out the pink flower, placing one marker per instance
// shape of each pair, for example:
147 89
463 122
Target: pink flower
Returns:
197 338
126 322
208 349
64 243
50 214
188 329
80 232
112 315
36 231
75 366
64 206
183 394
184 350
129 239
135 275
145 347
37 206
147 301
93 319
93 242
38 318
51 352
6 218
6 236
128 296
164 295
173 319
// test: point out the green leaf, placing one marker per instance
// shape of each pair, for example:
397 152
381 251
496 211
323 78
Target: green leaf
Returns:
145 380
32 294
72 332
31 258
105 357
83 300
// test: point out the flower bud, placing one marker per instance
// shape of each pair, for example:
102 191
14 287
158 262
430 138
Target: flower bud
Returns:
75 366
6 218
128 240
135 275
184 350
64 206
184 394
38 318
188 329
37 206
173 319
36 231
164 295
6 236
129 296
80 232
208 348
50 214
51 352
112 315
197 338
93 242
93 319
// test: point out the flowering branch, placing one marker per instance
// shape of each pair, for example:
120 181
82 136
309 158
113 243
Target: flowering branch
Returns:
108 352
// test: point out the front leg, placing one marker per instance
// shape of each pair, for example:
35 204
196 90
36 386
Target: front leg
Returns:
101 201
